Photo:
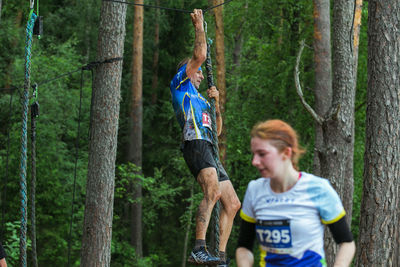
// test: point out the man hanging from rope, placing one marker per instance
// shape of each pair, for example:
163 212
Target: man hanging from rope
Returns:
193 113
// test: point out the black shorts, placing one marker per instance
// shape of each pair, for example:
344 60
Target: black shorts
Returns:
198 155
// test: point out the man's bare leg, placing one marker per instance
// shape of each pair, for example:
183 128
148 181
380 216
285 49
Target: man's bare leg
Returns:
230 205
208 181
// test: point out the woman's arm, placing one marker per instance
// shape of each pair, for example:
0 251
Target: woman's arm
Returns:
342 235
345 254
244 257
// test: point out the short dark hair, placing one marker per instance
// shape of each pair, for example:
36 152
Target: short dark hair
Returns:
183 62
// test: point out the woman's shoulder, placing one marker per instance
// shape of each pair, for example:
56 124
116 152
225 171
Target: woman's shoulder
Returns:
314 179
315 184
257 183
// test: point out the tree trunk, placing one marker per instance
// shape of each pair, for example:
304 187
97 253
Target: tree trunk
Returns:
154 80
221 81
379 225
136 125
336 157
323 71
0 9
97 230
238 45
88 28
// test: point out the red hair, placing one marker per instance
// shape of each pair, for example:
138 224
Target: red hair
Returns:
282 136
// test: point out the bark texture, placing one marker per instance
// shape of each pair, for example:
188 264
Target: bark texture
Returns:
156 55
336 158
323 70
97 230
136 126
220 62
380 215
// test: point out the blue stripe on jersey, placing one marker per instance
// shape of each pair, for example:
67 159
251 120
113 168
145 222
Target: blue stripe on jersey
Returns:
309 259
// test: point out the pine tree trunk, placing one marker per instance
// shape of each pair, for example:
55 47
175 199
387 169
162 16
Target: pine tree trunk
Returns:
380 214
323 71
156 55
220 63
0 9
97 230
336 157
238 45
136 125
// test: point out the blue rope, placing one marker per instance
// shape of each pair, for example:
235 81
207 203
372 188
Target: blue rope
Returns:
24 200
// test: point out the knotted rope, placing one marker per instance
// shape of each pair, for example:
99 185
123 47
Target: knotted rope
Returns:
24 212
210 82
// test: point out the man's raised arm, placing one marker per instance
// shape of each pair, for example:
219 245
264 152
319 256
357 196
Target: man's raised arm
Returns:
200 46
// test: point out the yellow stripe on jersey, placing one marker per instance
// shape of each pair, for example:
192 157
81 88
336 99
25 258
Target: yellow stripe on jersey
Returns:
263 255
196 129
183 104
181 83
247 218
340 216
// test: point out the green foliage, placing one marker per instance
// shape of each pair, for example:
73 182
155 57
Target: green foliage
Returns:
260 86
11 243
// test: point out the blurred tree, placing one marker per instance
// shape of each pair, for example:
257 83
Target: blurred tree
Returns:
136 126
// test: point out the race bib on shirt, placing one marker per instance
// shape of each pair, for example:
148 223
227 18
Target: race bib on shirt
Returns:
275 235
206 120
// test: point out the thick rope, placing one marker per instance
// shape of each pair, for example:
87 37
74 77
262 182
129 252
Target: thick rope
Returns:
34 114
166 8
24 212
210 82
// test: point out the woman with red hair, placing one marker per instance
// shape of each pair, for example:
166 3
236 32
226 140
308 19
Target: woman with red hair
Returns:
286 209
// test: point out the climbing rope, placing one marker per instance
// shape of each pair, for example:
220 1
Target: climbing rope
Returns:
75 168
34 115
210 82
90 66
166 8
28 45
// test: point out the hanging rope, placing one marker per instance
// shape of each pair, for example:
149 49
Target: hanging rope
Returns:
166 8
34 115
75 168
28 45
210 82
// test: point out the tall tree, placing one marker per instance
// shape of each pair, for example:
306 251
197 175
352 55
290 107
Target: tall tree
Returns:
220 62
338 128
136 126
0 9
97 230
323 70
156 55
380 216
335 155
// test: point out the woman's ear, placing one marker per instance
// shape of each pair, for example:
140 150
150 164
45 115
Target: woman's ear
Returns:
287 152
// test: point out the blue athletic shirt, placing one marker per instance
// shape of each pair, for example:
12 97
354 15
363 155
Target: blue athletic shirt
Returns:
289 225
191 109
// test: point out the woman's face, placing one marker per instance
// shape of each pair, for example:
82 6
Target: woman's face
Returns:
266 158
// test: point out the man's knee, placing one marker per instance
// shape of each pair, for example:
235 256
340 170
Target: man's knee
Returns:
208 181
232 206
235 206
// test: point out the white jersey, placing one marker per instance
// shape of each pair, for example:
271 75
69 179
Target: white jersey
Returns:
289 225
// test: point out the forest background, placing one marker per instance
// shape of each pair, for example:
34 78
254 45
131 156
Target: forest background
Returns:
262 39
